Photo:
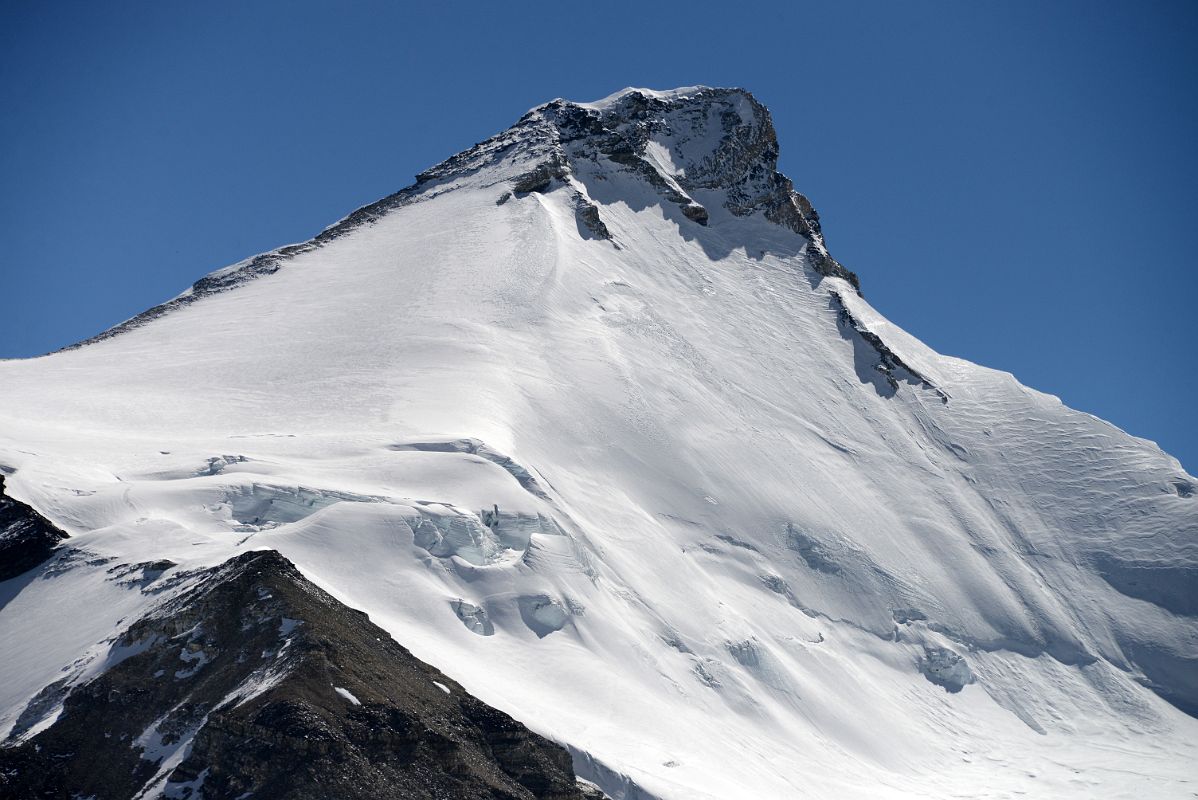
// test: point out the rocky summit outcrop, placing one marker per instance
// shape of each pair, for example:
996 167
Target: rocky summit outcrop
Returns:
583 420
26 537
253 682
684 142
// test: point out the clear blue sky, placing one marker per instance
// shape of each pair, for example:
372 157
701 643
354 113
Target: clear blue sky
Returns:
1015 182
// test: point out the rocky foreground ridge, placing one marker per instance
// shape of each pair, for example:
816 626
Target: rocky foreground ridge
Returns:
26 537
252 682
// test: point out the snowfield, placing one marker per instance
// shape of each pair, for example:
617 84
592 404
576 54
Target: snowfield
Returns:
672 498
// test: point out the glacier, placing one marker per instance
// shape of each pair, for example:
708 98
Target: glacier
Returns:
590 419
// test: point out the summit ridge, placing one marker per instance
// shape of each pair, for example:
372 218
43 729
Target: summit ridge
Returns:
694 142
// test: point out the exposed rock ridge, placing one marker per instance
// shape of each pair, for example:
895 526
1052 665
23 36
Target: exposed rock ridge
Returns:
890 364
26 537
256 682
717 139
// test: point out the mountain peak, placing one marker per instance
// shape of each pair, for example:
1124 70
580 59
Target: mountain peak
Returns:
705 155
576 419
699 148
701 137
682 94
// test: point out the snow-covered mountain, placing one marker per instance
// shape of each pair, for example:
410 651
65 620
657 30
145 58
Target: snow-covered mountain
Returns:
589 419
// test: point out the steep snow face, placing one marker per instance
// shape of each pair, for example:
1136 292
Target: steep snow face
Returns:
589 419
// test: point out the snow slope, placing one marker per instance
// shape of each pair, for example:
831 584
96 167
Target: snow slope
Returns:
666 489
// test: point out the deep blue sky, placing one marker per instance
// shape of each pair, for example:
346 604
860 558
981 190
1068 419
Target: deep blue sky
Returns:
1015 182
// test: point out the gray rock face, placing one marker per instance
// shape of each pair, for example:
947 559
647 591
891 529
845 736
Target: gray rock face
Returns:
720 139
26 537
254 682
876 362
590 223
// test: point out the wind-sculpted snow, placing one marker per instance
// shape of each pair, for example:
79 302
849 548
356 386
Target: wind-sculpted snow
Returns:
675 496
